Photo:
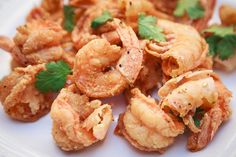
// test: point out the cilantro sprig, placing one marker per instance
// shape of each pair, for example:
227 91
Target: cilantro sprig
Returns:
53 78
148 29
199 113
69 18
191 7
222 41
100 20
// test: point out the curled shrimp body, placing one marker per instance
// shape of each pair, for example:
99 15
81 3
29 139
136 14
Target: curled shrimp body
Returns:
94 73
199 89
184 49
146 126
19 97
184 94
78 123
110 68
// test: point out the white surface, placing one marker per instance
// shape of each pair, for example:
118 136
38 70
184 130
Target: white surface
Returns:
34 139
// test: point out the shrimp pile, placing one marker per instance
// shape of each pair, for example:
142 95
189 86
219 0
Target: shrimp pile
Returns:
68 57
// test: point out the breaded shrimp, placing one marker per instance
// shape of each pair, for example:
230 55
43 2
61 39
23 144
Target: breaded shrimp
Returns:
212 119
35 43
184 49
168 6
124 63
19 97
146 126
184 94
38 35
48 10
78 123
94 71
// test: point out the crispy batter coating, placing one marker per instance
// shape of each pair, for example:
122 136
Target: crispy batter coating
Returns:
78 123
184 50
168 7
19 97
146 126
184 94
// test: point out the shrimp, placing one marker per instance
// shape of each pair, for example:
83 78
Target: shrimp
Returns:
38 35
83 33
126 10
168 7
108 63
78 123
133 8
93 71
35 43
227 15
184 94
184 50
212 119
48 10
146 126
19 97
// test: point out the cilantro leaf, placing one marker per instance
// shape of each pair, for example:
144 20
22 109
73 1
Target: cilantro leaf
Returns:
220 30
226 47
148 29
191 7
222 42
69 18
199 113
100 20
53 78
212 40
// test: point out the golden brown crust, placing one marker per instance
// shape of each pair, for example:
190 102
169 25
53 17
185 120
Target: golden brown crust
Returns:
20 99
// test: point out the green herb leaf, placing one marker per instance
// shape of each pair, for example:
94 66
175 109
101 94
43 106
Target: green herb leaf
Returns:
212 40
226 47
53 78
148 29
191 7
199 113
222 42
220 30
69 18
106 16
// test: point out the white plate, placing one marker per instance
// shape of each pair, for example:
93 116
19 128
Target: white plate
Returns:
34 139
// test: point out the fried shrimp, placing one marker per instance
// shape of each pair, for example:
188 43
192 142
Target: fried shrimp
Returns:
212 119
78 122
48 10
146 126
168 6
20 99
201 89
94 71
184 49
133 8
111 68
35 43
